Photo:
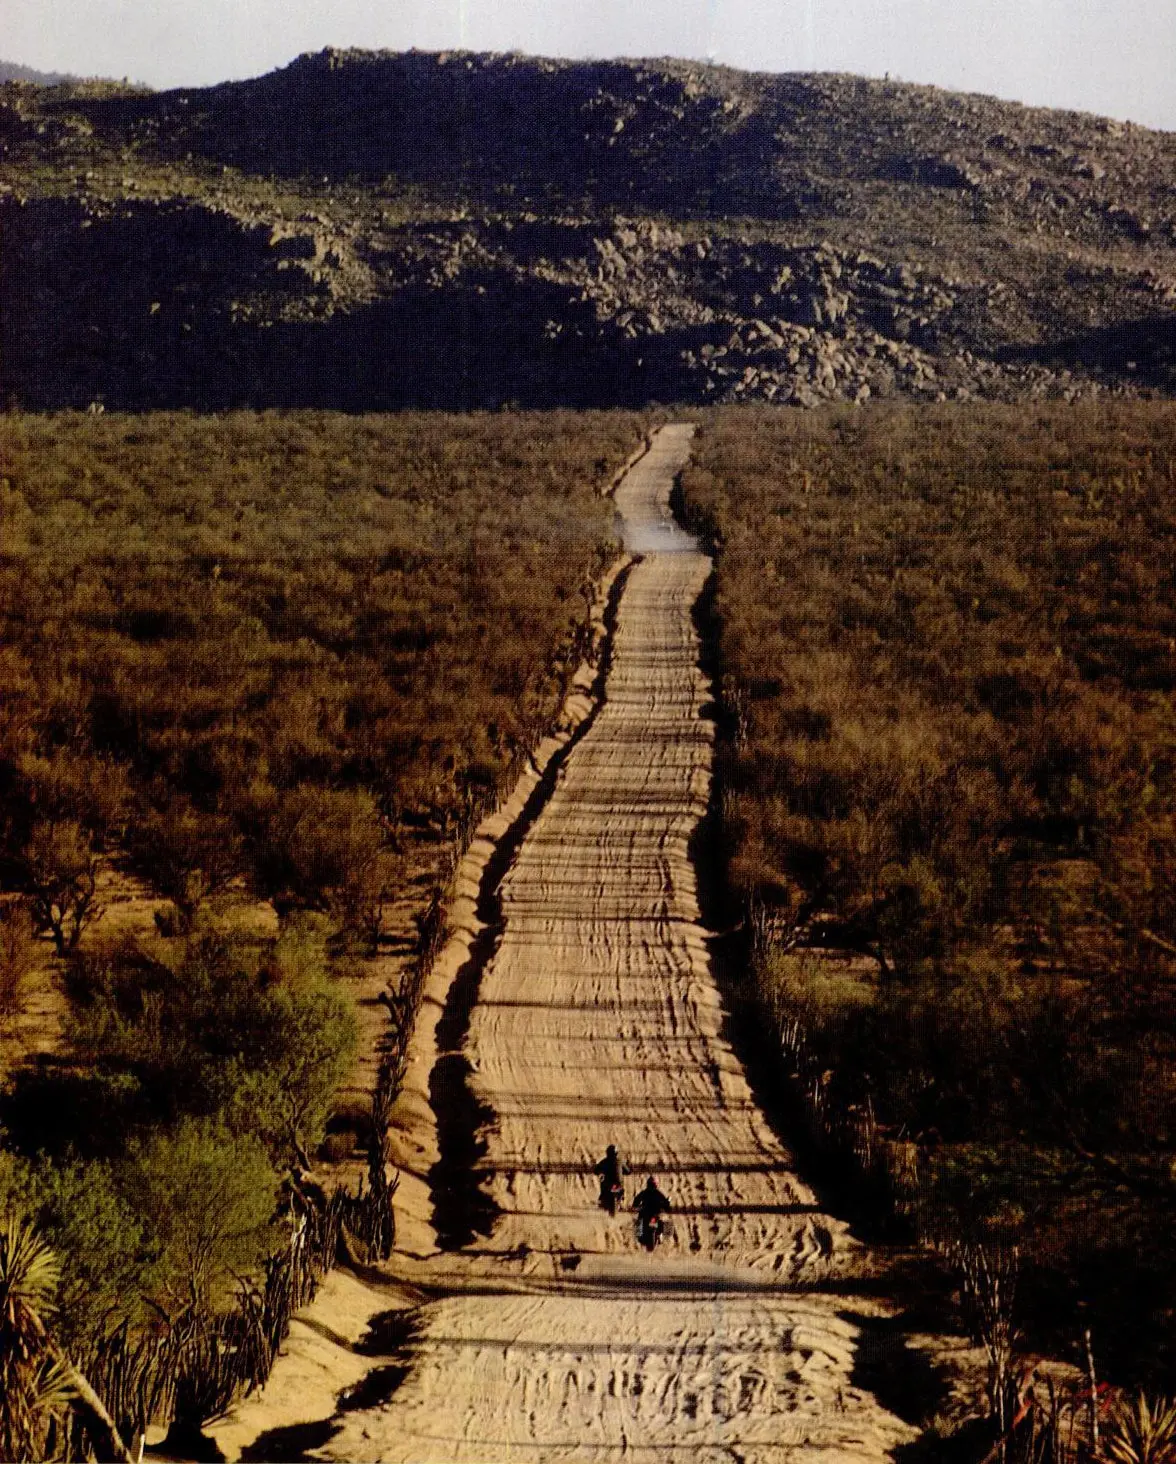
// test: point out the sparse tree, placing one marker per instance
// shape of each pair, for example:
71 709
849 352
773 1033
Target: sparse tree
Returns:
309 1045
61 876
327 850
188 854
211 1034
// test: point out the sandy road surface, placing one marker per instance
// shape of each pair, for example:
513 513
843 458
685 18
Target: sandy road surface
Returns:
597 1020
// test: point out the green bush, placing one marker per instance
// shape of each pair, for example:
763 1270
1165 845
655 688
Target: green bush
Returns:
214 1031
101 1239
210 1196
167 1229
307 1053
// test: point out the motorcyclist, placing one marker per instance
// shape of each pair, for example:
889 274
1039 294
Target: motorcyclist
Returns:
610 1171
651 1205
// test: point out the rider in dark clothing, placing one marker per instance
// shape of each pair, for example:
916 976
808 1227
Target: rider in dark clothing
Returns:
609 1168
650 1203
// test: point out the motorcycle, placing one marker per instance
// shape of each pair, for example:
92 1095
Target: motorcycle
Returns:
612 1196
650 1230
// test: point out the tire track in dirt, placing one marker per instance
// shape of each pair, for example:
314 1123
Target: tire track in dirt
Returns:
461 1208
596 1021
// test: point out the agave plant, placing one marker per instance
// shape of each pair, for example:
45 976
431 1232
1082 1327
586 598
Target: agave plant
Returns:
34 1384
1141 1432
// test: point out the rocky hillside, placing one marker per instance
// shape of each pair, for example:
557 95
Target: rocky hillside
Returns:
375 230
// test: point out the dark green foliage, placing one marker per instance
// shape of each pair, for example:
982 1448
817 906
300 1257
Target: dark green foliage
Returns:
153 1159
164 1230
308 1051
213 1032
101 1238
211 1198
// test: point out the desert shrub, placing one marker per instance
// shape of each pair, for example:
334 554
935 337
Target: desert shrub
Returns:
67 785
208 619
326 849
948 647
59 871
101 1240
310 1039
215 1032
210 1196
190 854
908 604
150 1249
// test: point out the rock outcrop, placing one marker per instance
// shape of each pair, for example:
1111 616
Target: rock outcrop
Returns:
369 230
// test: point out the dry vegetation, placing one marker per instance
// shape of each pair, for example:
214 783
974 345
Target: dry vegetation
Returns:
290 646
290 655
949 649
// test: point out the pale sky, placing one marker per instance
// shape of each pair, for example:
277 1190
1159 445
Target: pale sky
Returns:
1116 57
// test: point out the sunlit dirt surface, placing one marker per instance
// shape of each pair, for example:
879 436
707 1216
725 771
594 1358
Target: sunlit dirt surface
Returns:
597 1021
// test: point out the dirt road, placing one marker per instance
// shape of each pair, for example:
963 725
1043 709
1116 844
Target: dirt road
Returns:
597 1021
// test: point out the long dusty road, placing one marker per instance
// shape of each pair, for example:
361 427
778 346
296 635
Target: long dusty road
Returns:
597 1020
